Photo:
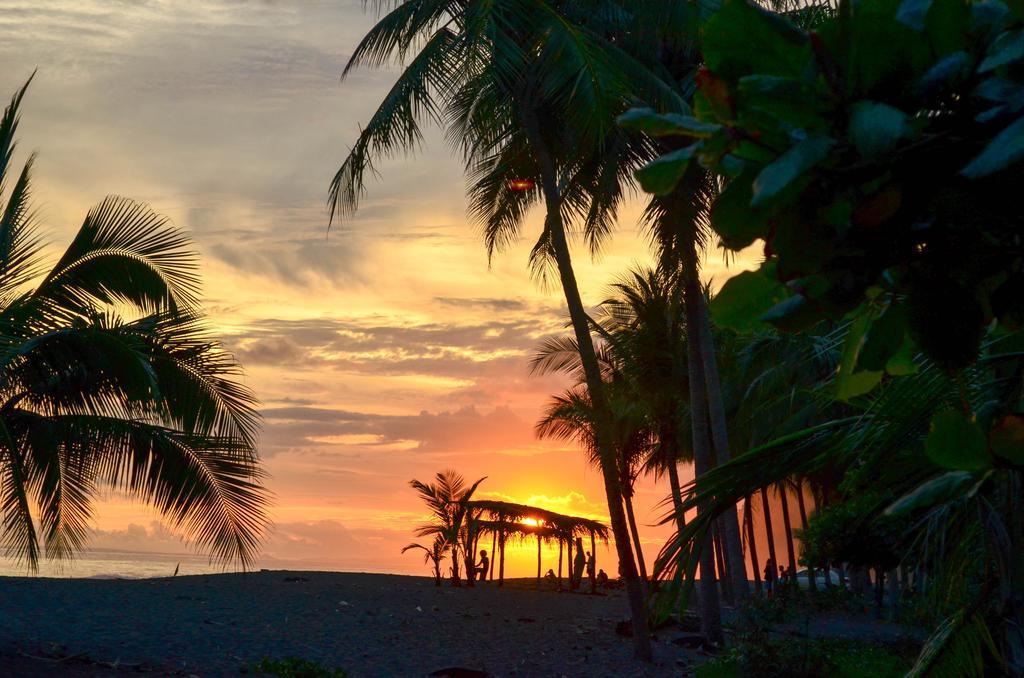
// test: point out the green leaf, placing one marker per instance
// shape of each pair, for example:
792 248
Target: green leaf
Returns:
884 339
876 128
666 124
956 442
794 314
902 362
849 382
932 492
1007 439
986 15
1005 49
741 38
1006 149
947 73
790 165
732 217
912 13
792 101
858 384
744 297
662 175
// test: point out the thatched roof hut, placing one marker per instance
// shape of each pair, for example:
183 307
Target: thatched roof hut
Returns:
508 520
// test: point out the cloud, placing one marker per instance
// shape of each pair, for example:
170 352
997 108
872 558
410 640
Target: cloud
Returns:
492 304
463 430
389 346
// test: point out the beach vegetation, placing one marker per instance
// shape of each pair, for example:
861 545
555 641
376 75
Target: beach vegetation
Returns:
293 667
111 379
433 555
861 388
449 521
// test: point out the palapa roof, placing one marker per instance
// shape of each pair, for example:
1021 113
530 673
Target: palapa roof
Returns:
507 516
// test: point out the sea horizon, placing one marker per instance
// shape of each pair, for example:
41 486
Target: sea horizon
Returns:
101 563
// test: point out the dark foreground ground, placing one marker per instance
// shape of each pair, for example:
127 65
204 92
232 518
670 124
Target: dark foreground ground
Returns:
367 624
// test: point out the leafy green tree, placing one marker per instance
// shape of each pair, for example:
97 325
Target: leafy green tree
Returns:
876 157
877 190
109 378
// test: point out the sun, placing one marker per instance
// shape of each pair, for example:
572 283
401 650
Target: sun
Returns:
530 521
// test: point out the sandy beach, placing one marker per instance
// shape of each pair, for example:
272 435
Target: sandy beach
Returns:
367 624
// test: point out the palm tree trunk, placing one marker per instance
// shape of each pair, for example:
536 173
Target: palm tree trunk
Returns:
593 554
790 551
455 566
720 438
748 519
677 495
677 501
628 499
812 585
723 570
707 591
555 230
769 532
469 550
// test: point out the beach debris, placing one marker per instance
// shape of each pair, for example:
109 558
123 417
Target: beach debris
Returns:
419 609
458 672
344 603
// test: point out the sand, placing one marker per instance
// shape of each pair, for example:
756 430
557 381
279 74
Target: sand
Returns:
367 624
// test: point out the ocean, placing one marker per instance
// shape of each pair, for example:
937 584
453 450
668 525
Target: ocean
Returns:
109 564
114 564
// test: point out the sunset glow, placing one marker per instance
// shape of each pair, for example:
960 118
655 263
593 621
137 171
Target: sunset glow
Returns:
382 350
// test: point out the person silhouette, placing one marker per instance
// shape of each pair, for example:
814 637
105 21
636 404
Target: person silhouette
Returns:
591 564
579 562
602 578
484 567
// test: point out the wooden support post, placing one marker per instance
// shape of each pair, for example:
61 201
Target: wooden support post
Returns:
593 554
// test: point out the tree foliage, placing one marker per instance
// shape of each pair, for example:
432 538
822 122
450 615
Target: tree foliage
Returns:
109 378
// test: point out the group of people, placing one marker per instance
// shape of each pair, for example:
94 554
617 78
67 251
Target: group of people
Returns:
598 578
778 580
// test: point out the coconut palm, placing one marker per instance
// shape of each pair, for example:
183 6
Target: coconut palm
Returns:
528 92
109 378
446 497
571 416
433 555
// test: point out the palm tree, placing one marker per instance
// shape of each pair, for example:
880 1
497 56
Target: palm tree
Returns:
571 416
108 377
433 555
446 497
525 93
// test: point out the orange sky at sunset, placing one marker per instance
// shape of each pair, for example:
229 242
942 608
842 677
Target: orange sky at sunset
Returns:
382 351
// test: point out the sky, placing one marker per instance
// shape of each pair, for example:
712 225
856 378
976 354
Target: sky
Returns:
383 350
